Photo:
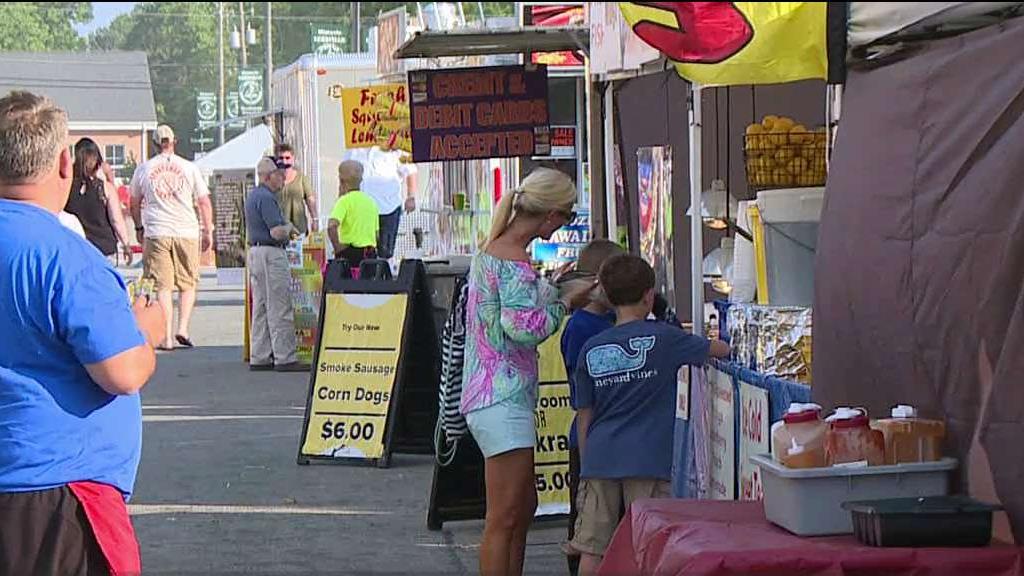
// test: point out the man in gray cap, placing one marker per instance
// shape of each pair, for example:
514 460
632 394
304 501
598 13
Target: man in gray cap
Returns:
273 340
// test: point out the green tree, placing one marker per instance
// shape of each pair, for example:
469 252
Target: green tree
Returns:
42 26
181 41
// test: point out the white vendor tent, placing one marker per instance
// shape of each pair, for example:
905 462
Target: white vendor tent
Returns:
242 152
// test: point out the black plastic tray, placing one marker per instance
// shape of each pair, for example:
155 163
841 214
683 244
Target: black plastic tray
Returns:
936 521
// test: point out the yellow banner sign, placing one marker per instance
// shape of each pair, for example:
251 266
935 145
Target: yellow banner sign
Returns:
554 417
377 116
727 43
355 375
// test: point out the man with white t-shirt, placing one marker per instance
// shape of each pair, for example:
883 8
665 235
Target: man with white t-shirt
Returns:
166 193
385 177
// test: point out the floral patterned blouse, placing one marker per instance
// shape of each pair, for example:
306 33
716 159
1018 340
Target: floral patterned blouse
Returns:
510 311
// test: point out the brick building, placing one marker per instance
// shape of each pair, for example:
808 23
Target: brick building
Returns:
108 97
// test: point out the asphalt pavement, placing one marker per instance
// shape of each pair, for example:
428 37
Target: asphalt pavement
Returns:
219 490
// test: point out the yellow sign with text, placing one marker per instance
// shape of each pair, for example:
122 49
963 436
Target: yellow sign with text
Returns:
377 116
554 417
355 375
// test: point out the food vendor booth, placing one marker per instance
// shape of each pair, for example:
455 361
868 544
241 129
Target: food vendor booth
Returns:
916 285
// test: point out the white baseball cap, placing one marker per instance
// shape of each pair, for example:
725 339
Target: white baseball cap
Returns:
163 132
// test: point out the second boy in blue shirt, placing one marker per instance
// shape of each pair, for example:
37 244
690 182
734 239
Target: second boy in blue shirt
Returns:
583 325
625 391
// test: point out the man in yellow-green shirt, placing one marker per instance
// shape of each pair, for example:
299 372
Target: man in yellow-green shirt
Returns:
354 221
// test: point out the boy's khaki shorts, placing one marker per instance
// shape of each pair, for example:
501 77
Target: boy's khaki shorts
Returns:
601 505
171 262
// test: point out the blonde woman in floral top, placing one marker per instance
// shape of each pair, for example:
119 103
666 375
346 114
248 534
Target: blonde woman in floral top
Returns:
511 310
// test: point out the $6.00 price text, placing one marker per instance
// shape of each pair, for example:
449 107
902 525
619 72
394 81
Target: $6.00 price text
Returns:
346 430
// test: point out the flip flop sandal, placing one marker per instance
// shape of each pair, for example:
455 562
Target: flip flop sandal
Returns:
184 341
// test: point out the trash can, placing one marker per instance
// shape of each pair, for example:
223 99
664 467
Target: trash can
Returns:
441 276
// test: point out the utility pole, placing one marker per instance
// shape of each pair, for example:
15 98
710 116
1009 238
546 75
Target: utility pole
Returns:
221 98
267 97
244 34
353 12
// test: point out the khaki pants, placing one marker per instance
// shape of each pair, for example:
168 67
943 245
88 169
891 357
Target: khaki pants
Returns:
273 319
601 504
171 262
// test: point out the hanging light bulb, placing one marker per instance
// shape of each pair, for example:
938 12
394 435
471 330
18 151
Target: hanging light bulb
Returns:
713 206
236 39
718 267
722 286
715 201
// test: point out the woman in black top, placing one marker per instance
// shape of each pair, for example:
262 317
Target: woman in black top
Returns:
94 201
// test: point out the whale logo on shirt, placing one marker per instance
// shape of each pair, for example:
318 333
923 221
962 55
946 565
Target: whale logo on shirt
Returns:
611 359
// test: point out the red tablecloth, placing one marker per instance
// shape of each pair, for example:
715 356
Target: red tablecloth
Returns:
707 538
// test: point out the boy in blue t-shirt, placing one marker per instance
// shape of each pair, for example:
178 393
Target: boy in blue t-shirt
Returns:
583 325
625 393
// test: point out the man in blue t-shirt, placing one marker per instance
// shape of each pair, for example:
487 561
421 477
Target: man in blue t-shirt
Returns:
625 393
583 325
72 359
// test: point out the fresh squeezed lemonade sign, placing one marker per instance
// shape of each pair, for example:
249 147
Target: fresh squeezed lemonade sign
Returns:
355 375
377 116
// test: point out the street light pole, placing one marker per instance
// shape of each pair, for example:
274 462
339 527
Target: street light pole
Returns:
243 34
354 13
267 97
220 72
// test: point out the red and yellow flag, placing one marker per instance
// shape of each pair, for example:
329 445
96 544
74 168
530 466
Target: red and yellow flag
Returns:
723 43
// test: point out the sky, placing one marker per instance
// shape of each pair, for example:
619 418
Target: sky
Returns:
103 14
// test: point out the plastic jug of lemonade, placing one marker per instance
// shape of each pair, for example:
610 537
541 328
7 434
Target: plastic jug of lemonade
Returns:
798 440
850 440
909 438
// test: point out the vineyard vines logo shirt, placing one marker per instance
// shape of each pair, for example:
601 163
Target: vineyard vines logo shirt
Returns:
628 378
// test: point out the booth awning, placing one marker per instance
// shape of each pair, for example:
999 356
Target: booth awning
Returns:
440 43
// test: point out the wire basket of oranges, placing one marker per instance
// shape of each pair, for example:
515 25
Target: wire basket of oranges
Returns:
781 153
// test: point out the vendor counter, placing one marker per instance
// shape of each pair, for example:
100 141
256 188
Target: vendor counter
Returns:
708 538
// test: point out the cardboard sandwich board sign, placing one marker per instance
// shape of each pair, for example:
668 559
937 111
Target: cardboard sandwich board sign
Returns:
368 382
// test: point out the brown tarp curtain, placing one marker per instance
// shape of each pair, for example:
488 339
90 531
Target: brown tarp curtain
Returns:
920 266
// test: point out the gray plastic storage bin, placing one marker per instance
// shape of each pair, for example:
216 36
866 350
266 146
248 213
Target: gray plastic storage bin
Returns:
808 501
790 218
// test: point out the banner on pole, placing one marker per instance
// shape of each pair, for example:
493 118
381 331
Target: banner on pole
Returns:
232 110
727 43
326 40
250 91
206 110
